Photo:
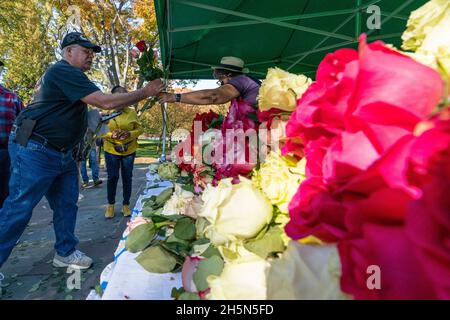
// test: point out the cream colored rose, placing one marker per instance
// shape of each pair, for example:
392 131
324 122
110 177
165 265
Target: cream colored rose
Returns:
305 272
279 178
179 201
281 90
428 35
235 212
241 279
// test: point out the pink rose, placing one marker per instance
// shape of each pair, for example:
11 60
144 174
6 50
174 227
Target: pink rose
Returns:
355 127
406 234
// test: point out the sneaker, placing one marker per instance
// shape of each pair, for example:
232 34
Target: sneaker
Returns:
109 213
126 210
84 185
97 182
77 260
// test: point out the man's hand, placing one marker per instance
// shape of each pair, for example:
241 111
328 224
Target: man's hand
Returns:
154 87
164 97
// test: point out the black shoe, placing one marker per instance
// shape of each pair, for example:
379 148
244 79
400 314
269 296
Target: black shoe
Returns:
97 182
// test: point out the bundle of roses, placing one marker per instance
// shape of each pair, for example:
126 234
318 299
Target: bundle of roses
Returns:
372 169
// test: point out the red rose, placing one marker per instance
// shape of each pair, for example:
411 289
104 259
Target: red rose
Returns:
404 231
387 247
142 46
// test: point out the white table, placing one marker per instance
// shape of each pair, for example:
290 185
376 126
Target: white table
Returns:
124 278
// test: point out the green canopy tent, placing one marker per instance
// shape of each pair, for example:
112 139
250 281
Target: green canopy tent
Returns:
294 35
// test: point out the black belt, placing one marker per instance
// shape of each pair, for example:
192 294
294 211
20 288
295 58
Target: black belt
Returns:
46 143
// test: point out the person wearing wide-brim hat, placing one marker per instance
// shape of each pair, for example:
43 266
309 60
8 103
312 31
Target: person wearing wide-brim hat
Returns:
234 83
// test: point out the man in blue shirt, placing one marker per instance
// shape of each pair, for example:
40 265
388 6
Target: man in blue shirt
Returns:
40 147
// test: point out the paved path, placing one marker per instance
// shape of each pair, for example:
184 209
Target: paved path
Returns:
29 271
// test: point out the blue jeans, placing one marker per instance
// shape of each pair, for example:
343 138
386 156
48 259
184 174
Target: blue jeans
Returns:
38 171
114 164
4 174
93 164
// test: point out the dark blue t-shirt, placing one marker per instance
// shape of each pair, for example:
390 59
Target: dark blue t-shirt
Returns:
56 106
248 87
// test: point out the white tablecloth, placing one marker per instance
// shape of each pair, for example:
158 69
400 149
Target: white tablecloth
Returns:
124 278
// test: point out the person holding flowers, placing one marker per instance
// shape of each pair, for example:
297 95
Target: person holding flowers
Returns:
41 143
120 150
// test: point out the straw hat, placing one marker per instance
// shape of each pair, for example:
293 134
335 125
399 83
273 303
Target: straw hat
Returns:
232 64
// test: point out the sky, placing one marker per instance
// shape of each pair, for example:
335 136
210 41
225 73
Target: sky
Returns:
205 84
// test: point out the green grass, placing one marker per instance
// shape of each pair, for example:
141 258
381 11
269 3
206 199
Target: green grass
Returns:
148 148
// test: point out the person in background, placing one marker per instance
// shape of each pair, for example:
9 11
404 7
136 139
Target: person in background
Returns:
90 152
10 107
234 84
120 146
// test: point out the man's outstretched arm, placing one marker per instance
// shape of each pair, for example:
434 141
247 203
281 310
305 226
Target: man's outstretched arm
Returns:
121 100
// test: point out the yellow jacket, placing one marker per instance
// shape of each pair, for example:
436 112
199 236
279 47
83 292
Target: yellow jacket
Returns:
126 121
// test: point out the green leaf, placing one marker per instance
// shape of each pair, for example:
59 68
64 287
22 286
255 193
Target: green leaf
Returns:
140 237
149 212
156 259
201 224
35 286
176 292
99 290
252 116
216 122
188 296
211 251
179 248
188 187
207 267
185 229
157 217
271 242
262 232
162 198
173 239
149 200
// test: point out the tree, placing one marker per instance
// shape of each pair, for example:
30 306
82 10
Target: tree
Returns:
24 45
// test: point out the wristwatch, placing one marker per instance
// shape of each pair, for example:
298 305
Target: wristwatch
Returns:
177 97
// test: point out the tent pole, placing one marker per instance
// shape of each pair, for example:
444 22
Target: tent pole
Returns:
358 20
164 133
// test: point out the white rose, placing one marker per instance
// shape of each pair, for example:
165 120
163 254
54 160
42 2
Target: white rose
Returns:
235 212
281 90
178 203
306 272
241 279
